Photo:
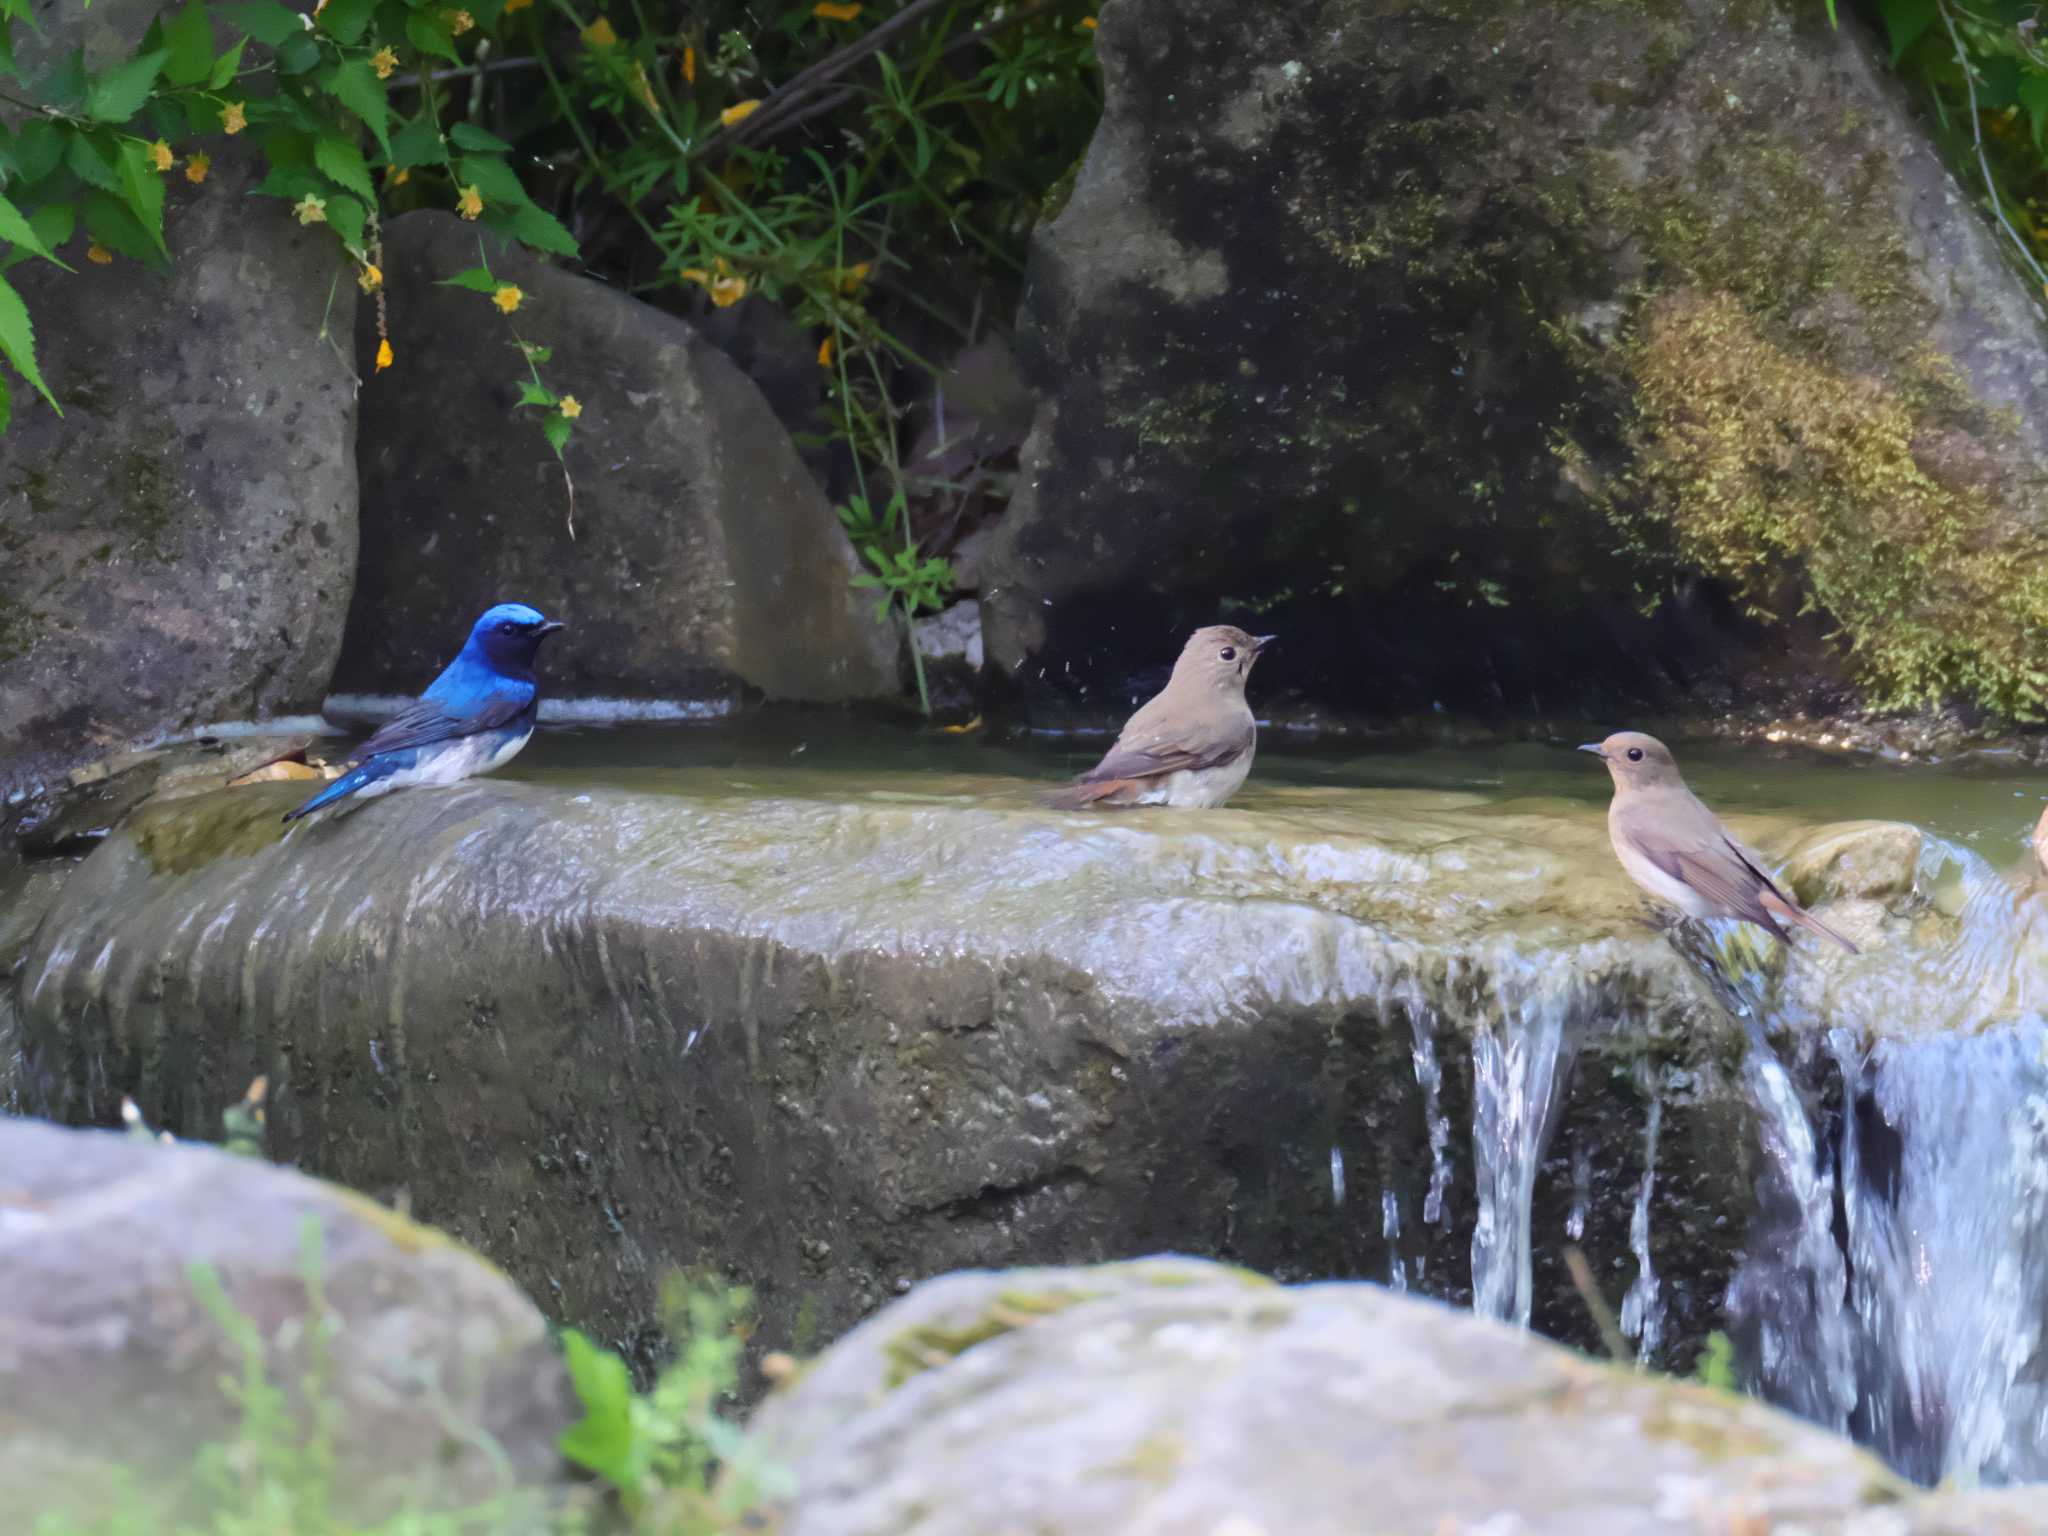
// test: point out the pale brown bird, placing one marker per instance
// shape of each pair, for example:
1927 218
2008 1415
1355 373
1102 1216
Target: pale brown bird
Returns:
1190 745
2041 842
1676 849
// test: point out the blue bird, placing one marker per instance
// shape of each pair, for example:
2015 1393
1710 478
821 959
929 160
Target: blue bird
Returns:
473 718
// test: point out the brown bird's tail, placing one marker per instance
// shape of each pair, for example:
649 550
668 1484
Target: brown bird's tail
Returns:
1081 796
1778 907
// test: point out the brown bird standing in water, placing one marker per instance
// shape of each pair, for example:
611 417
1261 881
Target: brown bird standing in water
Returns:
1676 849
1190 745
2041 842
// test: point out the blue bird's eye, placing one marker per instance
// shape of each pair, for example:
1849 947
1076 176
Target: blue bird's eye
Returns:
508 628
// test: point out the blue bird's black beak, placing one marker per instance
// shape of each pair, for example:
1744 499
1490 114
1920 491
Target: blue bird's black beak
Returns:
548 629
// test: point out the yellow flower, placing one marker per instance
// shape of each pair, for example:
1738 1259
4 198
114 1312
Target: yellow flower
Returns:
384 61
98 254
739 112
689 65
371 278
470 204
571 407
507 298
460 22
515 5
832 10
599 33
1088 23
311 209
160 156
232 118
825 353
397 176
383 355
728 291
852 277
197 166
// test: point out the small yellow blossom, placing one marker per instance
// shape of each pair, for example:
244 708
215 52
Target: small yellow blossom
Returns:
470 203
232 118
371 278
384 61
852 277
689 65
311 209
832 10
397 176
383 355
825 353
197 166
571 407
460 22
98 254
599 33
507 298
515 5
1088 23
728 291
160 156
739 112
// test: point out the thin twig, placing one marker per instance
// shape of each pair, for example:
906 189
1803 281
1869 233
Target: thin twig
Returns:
1983 160
1589 1292
494 67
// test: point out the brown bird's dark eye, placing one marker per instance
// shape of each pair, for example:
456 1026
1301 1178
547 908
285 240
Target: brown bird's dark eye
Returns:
1229 654
1635 754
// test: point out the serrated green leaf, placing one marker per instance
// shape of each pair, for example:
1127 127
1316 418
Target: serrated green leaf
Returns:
225 66
143 187
602 1441
266 21
493 178
1905 20
16 229
88 162
430 35
346 20
417 144
292 182
346 216
6 405
556 429
18 342
356 86
115 227
119 94
469 136
289 148
189 43
54 223
7 67
37 149
342 163
296 55
64 87
531 393
475 279
534 226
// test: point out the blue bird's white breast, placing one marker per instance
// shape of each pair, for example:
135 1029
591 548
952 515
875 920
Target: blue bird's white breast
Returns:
449 762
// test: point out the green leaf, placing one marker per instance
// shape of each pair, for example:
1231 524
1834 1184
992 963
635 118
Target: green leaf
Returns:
114 226
347 217
54 223
189 41
119 94
430 35
7 67
2034 97
540 354
469 136
296 55
341 161
266 21
88 162
18 346
492 177
417 144
18 230
6 405
288 148
540 229
37 149
602 1441
476 280
64 87
292 182
143 187
531 393
346 20
225 66
356 86
1905 20
556 429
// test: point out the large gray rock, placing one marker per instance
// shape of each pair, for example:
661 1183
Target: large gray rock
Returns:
1172 1398
835 1042
179 547
703 559
440 1381
1446 339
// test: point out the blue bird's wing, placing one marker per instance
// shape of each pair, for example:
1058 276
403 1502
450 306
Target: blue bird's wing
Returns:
427 721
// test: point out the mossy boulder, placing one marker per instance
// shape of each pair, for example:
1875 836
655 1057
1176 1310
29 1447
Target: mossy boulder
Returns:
1525 357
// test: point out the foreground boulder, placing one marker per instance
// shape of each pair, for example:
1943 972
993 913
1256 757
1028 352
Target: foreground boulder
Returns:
441 1386
1449 340
841 1042
1189 1399
177 548
702 559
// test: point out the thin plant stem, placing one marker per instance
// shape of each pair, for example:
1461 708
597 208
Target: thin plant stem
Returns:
1977 135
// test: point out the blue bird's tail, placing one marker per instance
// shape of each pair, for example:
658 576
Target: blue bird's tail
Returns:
340 789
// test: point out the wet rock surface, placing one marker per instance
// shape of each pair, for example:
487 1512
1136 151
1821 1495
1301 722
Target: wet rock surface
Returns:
838 1044
1176 1398
1416 337
111 1361
703 560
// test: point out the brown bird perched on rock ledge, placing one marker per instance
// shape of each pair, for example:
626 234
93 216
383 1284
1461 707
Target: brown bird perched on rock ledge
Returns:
1677 850
1190 745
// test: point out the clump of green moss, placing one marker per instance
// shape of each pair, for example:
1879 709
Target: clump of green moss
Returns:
931 1345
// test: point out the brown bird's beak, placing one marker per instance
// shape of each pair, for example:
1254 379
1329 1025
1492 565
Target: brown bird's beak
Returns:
1594 748
1262 641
